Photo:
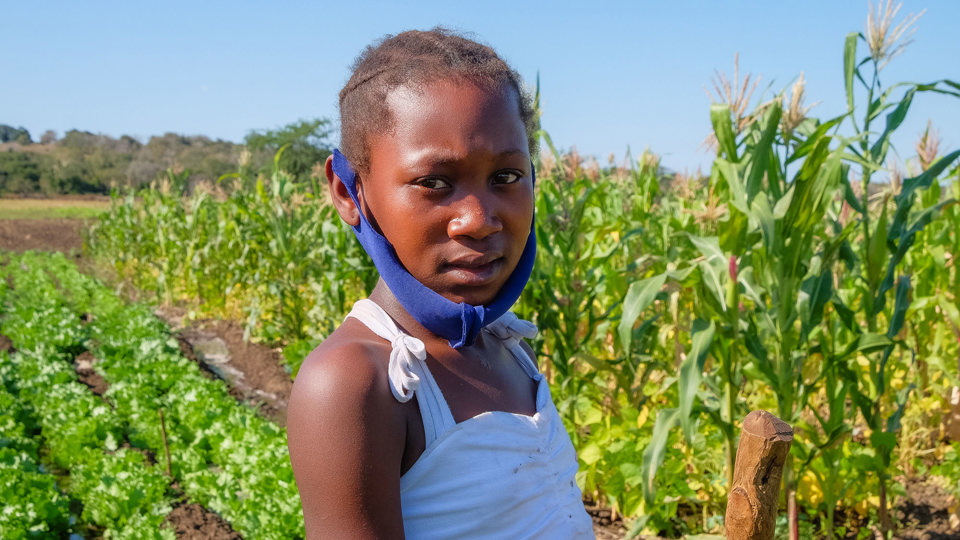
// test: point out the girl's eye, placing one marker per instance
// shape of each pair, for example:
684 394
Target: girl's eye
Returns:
507 177
432 182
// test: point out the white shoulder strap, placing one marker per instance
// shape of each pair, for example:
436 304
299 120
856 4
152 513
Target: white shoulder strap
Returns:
407 370
511 329
405 352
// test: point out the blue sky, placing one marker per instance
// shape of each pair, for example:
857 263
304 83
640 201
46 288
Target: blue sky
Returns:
613 76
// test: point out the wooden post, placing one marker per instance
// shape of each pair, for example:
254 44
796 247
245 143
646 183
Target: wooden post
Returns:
952 422
754 496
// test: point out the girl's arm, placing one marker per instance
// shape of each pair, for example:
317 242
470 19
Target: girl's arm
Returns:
346 435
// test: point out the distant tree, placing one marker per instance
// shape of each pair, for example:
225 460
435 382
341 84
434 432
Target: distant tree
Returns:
10 133
85 162
307 143
127 144
49 137
79 140
19 173
206 159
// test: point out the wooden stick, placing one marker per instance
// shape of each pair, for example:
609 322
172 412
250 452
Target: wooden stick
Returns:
952 422
163 433
754 496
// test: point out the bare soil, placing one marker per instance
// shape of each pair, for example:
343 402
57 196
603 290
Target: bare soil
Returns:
64 235
190 521
254 371
83 365
925 513
188 352
605 525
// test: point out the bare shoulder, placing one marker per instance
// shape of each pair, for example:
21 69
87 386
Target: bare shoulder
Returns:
348 363
344 378
346 435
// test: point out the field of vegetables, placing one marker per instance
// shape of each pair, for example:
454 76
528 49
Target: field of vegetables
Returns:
804 276
162 431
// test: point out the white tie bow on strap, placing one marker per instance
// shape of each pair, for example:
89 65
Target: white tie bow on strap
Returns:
511 329
406 350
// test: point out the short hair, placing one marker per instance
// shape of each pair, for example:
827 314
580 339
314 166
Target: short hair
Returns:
418 57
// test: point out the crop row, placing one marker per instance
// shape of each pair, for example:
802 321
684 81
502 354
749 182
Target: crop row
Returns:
33 503
121 495
223 455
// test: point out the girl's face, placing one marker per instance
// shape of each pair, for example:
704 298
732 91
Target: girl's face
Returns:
450 186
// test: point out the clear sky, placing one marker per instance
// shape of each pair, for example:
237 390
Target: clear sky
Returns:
613 75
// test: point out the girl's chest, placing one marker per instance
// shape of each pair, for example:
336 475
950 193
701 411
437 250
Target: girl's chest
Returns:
472 387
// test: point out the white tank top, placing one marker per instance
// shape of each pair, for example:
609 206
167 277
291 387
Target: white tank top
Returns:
497 475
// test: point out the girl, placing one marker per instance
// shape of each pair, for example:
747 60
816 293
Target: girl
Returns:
423 415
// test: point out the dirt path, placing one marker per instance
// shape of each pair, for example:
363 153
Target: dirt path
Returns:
253 371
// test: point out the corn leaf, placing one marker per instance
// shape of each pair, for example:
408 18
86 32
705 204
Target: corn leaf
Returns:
849 61
723 129
653 455
639 296
691 371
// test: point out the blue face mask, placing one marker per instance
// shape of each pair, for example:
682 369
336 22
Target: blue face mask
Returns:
458 323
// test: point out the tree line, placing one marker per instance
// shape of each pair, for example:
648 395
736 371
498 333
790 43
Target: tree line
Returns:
82 162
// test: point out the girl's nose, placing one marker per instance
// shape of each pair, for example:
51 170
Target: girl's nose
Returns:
476 216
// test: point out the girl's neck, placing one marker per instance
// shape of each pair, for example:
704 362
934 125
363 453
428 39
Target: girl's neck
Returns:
384 298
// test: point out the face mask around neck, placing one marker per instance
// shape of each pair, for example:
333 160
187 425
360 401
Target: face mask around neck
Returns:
458 323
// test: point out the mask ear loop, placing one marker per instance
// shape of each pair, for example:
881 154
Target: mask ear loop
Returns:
458 323
364 208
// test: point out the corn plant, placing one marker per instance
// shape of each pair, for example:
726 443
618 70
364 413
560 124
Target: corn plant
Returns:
755 282
782 178
885 240
270 252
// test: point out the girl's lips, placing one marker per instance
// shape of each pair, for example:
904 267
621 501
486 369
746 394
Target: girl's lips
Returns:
474 273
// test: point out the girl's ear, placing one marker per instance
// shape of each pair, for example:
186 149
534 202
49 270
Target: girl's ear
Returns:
340 196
